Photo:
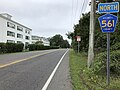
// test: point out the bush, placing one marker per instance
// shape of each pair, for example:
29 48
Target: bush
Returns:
33 47
115 47
10 47
99 66
13 47
2 48
19 47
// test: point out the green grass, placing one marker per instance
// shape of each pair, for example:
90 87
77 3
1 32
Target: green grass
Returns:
77 63
84 79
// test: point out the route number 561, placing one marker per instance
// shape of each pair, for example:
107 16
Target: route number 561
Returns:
109 23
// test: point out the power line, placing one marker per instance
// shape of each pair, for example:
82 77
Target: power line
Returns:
85 2
77 10
82 7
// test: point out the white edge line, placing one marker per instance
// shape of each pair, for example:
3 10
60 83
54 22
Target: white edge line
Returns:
53 73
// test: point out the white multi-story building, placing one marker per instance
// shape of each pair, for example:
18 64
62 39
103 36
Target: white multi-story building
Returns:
13 32
43 39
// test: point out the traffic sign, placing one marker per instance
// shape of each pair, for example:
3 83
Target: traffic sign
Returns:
108 7
108 22
78 38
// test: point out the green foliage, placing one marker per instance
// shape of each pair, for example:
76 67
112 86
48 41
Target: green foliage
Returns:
13 47
116 46
99 66
70 35
87 79
82 29
2 48
82 77
100 39
33 47
58 40
76 65
10 47
19 47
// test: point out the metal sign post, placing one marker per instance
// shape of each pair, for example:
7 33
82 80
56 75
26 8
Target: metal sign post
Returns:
108 23
78 40
78 46
108 58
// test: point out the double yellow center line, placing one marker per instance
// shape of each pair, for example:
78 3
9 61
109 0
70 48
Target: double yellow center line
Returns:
17 61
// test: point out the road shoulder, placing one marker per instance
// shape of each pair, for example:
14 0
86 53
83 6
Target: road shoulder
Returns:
61 79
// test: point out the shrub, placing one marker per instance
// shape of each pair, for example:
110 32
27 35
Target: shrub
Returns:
33 47
99 66
40 47
19 47
115 47
13 47
10 47
2 48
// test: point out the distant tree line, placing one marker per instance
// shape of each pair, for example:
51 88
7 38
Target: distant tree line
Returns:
58 40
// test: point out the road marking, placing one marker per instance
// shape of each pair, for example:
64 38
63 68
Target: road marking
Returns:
5 65
53 73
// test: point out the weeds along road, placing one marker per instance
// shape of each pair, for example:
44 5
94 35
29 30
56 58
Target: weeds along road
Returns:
30 70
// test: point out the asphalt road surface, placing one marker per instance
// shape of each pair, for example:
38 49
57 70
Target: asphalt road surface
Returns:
32 71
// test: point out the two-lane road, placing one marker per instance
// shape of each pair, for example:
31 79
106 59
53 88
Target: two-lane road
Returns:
28 71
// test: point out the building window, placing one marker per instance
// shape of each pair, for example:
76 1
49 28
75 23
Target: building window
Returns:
19 28
11 25
19 42
28 32
19 35
9 33
25 31
27 37
10 41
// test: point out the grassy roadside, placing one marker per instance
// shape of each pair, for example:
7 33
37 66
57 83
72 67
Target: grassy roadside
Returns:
76 65
83 79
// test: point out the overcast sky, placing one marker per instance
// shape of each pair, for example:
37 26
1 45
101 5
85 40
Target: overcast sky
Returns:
45 17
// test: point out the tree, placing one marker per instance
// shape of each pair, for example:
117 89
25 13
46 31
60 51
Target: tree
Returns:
65 44
70 35
58 40
82 29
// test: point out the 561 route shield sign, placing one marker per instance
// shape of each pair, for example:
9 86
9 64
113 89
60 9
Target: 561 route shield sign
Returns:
108 22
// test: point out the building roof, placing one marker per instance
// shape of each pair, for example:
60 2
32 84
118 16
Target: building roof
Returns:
14 22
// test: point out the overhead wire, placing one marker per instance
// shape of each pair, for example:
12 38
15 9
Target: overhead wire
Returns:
85 2
77 10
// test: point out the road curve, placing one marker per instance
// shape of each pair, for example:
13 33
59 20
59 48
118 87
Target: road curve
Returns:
29 74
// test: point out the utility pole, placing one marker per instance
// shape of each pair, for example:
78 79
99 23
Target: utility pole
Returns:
91 33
